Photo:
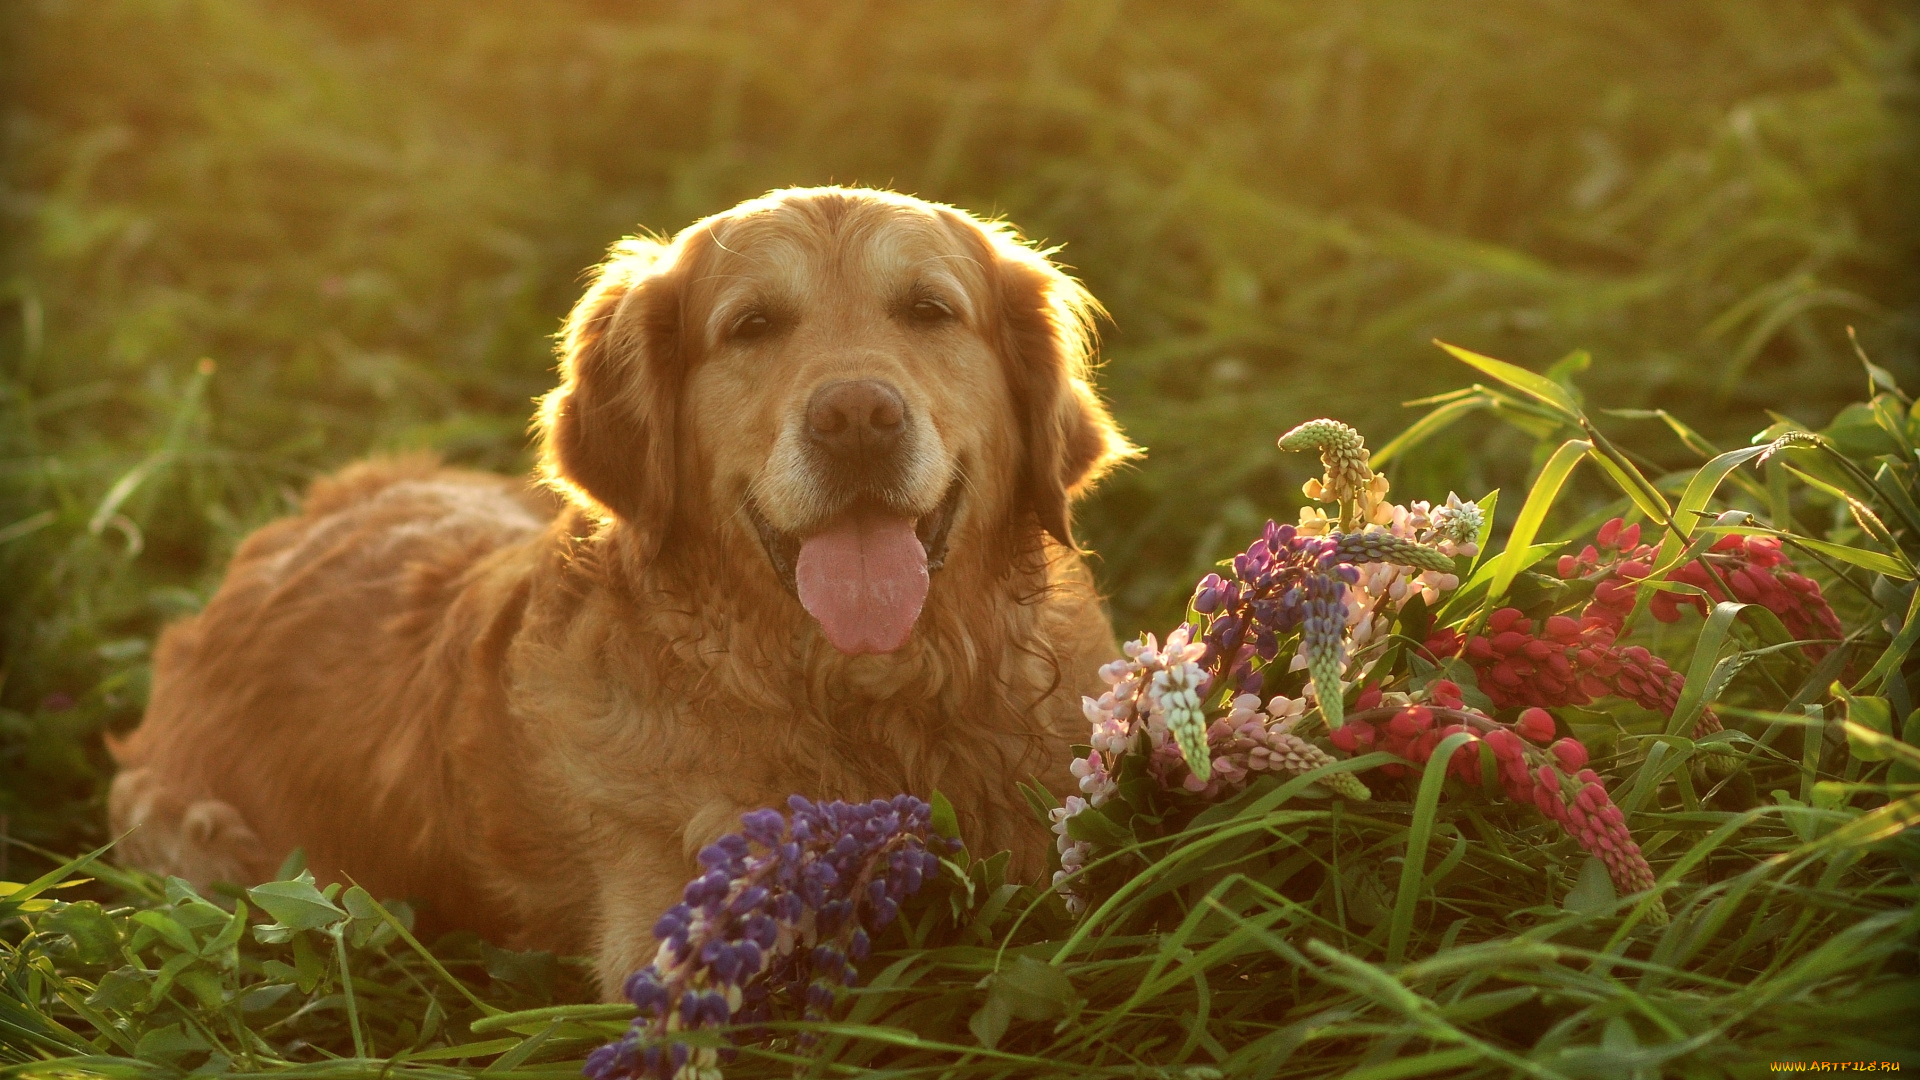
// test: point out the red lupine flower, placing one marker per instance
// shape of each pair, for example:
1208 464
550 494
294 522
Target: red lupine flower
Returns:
1353 738
1443 642
1752 567
1556 781
1570 753
1571 662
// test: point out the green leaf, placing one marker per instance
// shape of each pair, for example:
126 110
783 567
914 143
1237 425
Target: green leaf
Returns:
1897 650
1877 376
307 965
206 987
1863 514
169 1044
1040 801
293 865
1693 440
366 929
990 1022
1530 556
537 1018
1894 488
263 997
94 936
513 1058
168 928
1533 512
1831 795
1533 385
120 990
945 822
1092 825
14 898
1874 714
1034 990
296 904
1803 824
535 970
1891 415
359 903
169 971
1593 893
1564 369
1903 771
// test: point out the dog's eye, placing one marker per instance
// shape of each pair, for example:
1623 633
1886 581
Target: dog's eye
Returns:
751 325
927 310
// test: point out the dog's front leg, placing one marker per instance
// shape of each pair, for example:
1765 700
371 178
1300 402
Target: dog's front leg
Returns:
645 879
632 895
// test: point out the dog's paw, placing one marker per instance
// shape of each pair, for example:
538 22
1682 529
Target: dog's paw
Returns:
176 833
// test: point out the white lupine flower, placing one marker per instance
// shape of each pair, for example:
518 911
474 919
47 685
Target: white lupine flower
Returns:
1176 693
1457 522
1242 710
1060 814
1285 709
1091 771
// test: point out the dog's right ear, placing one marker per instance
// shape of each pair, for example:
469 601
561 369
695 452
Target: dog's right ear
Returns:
607 431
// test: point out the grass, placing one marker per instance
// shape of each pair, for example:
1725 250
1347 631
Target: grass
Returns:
250 241
1431 931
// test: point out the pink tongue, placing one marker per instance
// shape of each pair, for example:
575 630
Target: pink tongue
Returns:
864 578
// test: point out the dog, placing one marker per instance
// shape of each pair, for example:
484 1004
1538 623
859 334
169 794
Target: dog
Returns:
802 525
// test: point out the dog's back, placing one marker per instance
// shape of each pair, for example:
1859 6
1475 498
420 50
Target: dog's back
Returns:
302 680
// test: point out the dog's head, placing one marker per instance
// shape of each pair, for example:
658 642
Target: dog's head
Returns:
862 385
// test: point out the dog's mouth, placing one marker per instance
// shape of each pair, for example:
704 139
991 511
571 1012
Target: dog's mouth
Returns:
862 574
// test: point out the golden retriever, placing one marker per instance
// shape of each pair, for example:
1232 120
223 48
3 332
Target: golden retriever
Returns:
804 527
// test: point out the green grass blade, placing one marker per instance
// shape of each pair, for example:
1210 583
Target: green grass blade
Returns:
1861 557
1699 491
1427 427
1643 494
1540 498
1532 384
1897 650
1413 872
1700 671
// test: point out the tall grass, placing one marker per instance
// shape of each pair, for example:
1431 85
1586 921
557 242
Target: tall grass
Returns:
249 240
1428 931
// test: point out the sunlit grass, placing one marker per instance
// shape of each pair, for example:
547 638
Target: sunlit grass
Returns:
250 241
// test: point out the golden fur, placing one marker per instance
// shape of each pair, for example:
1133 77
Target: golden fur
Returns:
529 706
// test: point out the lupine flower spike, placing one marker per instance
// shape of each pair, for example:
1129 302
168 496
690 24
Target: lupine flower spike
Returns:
1348 479
1531 766
783 908
1334 590
1567 661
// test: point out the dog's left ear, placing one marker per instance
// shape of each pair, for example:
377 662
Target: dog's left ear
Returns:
608 430
1047 338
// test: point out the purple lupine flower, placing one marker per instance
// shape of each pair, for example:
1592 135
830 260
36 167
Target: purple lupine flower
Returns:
786 906
1287 581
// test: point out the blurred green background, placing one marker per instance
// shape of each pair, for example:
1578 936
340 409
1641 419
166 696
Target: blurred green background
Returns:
371 215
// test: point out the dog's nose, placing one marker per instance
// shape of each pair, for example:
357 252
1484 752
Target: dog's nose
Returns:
857 419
